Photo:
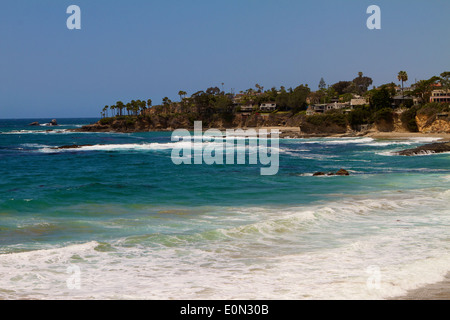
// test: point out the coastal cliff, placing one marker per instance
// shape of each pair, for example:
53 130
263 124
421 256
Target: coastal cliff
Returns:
433 124
169 118
170 122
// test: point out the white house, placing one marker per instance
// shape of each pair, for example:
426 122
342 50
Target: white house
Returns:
268 106
248 107
337 106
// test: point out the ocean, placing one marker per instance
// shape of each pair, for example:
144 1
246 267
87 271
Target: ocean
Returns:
119 220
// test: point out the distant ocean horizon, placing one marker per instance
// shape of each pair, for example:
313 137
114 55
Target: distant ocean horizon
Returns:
123 221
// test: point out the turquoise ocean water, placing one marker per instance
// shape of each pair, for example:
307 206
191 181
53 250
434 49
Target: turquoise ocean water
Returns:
136 226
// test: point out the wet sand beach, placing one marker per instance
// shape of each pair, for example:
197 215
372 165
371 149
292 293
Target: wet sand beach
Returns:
407 135
435 291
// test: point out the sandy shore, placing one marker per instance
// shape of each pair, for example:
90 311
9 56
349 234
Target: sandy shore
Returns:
295 132
407 135
435 291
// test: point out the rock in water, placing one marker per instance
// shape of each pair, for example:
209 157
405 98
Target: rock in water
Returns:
438 147
34 123
342 172
53 122
75 146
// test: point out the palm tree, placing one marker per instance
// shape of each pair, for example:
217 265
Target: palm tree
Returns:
149 103
120 106
137 107
112 110
142 107
181 94
104 110
129 106
403 77
260 88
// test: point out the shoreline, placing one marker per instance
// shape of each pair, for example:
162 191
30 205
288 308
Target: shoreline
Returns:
285 132
407 135
293 132
434 291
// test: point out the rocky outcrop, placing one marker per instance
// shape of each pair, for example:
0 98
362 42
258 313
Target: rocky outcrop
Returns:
426 149
75 146
51 123
439 123
178 116
341 172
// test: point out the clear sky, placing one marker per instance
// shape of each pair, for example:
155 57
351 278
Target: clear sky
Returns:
140 49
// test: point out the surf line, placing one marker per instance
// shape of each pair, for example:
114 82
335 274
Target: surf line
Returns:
215 147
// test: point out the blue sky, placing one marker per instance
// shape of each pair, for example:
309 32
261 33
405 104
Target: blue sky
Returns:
141 49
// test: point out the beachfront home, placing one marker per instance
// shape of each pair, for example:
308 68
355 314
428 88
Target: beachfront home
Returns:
441 96
337 106
248 107
268 106
399 100
322 108
358 102
317 108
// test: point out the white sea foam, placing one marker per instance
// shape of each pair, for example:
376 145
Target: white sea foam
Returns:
157 146
417 154
367 141
35 145
340 141
424 139
119 147
50 131
324 251
387 153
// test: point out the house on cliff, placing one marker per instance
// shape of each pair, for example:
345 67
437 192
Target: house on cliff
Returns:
268 106
440 96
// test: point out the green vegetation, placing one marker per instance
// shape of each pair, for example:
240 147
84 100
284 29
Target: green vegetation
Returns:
130 120
328 119
433 108
384 115
408 118
214 104
360 116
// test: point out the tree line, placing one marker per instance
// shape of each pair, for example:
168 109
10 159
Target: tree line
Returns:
215 101
134 107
